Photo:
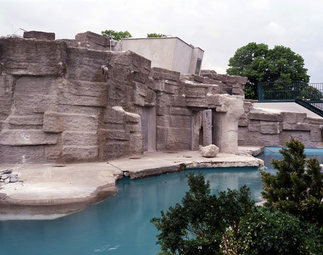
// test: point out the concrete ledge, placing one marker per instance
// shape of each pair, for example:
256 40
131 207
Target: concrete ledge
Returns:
51 191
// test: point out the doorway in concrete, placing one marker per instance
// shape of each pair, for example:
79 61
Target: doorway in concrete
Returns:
148 127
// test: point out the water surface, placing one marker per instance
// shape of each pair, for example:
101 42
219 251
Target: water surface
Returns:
121 224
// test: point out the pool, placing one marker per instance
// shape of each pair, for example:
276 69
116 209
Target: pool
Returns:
121 224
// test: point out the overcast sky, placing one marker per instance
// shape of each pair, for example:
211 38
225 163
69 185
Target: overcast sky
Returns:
219 27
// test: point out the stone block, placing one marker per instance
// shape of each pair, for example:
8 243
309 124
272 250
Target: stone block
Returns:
6 83
78 138
39 35
296 126
79 153
243 122
195 91
29 104
161 135
37 85
178 121
179 139
136 143
114 116
26 137
32 57
257 115
303 136
117 149
22 154
178 100
254 126
119 135
26 120
180 111
52 122
70 122
93 40
132 118
164 74
85 65
293 117
163 121
133 128
196 102
150 99
316 133
271 128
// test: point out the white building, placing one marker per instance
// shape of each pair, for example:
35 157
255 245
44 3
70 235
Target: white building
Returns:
167 52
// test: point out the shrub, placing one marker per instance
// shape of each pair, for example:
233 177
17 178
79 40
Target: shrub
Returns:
266 231
198 225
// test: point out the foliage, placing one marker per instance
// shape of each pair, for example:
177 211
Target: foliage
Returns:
261 64
114 35
197 226
155 35
294 189
266 231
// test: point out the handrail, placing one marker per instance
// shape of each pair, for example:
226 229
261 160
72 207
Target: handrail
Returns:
310 107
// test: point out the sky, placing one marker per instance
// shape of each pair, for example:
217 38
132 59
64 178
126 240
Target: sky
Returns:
219 27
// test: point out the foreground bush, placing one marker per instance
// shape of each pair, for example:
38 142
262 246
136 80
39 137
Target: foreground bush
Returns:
297 188
266 231
199 224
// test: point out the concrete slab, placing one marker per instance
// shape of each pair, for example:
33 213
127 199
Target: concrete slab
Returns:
51 191
277 107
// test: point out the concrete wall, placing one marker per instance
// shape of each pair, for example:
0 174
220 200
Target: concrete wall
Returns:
182 57
60 103
257 127
160 51
196 54
169 52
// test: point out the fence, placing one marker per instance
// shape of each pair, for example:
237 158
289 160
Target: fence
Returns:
279 91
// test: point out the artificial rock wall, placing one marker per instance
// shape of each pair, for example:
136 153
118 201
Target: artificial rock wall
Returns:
61 102
260 128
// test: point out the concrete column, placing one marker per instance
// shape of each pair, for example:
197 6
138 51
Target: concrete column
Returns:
225 123
207 127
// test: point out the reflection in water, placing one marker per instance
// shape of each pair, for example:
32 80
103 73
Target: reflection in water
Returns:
120 225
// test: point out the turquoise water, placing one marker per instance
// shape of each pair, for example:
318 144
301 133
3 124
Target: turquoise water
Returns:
121 224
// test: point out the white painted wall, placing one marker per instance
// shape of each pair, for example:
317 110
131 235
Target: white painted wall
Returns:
159 50
182 57
170 52
197 53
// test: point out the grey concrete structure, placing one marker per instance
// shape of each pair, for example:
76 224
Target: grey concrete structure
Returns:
170 53
274 128
75 100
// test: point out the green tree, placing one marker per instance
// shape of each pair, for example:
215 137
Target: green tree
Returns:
114 35
155 35
278 66
199 224
297 187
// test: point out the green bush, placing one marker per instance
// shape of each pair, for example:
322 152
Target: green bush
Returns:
266 231
198 225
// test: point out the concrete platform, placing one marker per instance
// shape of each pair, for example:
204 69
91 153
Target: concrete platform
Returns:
278 107
50 191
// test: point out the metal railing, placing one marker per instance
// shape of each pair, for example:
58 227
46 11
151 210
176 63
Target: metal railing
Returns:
279 91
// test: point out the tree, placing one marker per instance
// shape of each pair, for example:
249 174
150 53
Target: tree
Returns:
276 66
198 225
155 35
114 35
297 188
